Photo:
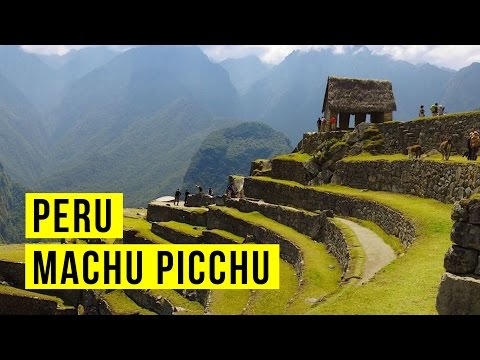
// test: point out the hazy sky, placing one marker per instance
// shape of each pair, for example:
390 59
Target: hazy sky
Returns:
451 56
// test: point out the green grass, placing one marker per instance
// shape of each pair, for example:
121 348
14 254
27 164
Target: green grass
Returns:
183 228
185 306
402 157
13 253
390 240
297 156
4 289
467 114
318 279
227 235
275 302
121 304
228 302
408 285
143 227
135 213
357 255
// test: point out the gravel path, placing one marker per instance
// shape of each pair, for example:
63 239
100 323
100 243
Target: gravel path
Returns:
378 253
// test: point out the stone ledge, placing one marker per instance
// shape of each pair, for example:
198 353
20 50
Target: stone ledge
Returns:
442 181
459 295
390 220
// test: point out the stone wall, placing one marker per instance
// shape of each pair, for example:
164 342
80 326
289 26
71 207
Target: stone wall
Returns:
336 244
391 221
145 299
301 172
459 291
23 305
174 236
209 237
398 135
429 132
312 140
13 273
305 222
443 181
217 219
164 212
131 236
315 225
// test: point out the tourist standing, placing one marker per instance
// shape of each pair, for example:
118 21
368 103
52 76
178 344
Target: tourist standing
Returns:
333 123
421 112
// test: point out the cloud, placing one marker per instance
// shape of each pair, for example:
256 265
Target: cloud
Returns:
51 49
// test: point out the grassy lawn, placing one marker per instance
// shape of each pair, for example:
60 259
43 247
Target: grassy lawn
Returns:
273 302
143 227
4 289
401 157
13 253
183 228
298 156
121 304
183 305
321 271
408 285
228 302
134 213
227 235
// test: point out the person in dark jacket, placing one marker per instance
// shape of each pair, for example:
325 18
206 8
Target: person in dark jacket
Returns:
177 197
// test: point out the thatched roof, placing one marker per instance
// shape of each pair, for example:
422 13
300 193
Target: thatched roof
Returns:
358 95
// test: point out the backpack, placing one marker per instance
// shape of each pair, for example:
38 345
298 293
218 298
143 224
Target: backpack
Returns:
433 108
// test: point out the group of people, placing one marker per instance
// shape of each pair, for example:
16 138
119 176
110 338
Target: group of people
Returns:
325 125
178 193
435 109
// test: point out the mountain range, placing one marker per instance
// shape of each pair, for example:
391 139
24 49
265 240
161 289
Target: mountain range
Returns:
97 119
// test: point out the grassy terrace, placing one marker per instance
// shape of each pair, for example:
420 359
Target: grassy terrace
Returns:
401 157
273 302
227 235
319 280
183 228
297 156
409 284
144 229
13 253
121 304
449 116
4 289
228 302
183 305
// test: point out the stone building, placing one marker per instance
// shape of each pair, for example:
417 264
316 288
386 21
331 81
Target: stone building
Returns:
359 97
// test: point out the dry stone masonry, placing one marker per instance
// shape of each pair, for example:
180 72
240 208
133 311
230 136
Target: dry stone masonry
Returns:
459 292
442 181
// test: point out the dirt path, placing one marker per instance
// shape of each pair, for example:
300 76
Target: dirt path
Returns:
378 253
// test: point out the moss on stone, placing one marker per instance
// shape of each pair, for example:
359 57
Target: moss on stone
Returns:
298 157
120 304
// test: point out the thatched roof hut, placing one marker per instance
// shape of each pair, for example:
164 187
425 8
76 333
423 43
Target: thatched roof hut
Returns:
359 95
347 96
